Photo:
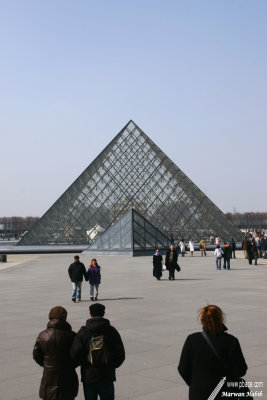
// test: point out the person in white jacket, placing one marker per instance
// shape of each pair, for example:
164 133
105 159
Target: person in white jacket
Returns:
218 253
182 247
191 247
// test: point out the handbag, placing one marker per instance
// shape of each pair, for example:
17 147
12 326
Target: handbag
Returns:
241 386
177 267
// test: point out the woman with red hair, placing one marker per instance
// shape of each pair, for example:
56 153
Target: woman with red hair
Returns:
210 355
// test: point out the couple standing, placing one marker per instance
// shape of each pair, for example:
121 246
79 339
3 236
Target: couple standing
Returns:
77 272
171 262
97 348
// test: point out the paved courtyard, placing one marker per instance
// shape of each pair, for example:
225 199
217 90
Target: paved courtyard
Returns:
153 317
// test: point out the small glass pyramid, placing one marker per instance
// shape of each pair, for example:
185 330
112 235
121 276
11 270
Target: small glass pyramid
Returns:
131 234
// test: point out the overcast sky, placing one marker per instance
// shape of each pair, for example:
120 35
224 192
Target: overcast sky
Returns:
191 74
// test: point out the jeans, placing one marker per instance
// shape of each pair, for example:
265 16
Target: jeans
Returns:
226 264
96 286
218 262
105 391
76 290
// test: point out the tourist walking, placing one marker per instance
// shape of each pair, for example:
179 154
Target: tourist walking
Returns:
99 350
202 247
218 253
94 277
171 262
76 273
233 247
258 242
210 355
191 247
255 252
182 247
263 247
217 240
226 256
245 246
52 352
254 255
157 265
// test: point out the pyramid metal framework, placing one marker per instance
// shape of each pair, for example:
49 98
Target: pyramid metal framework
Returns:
131 172
132 235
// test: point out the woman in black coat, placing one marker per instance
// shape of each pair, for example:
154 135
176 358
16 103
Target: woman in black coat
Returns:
52 352
199 366
157 265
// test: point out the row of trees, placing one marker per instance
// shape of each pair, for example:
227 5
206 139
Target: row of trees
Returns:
255 220
16 226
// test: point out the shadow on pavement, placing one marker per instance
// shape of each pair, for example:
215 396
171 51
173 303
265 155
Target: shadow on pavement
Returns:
115 298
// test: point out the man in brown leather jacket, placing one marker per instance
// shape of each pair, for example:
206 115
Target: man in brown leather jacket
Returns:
52 352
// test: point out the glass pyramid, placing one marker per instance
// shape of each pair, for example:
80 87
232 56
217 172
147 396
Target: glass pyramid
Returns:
131 234
131 172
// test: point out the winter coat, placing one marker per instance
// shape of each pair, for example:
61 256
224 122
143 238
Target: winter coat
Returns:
157 265
244 244
233 245
171 264
157 260
202 245
263 245
77 271
200 368
218 252
226 252
80 349
94 275
254 251
249 247
191 246
182 246
52 352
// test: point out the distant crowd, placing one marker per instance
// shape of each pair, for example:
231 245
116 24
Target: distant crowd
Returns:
254 247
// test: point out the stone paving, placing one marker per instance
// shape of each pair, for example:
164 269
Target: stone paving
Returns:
153 318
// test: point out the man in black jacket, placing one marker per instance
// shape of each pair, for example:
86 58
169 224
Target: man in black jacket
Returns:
76 273
226 256
171 261
98 378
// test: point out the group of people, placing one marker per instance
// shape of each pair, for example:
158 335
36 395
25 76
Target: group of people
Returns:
171 263
182 248
171 259
224 254
77 272
254 248
98 349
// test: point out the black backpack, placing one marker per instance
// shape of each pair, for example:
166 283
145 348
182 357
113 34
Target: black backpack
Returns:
98 355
